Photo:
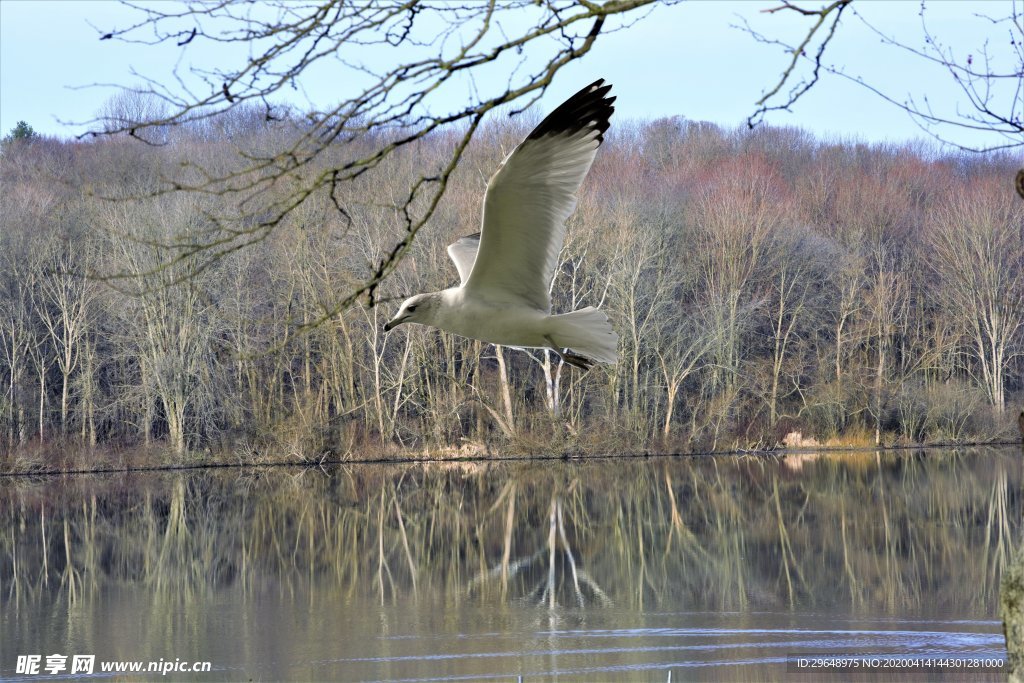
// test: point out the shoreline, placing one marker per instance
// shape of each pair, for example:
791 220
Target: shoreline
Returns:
430 459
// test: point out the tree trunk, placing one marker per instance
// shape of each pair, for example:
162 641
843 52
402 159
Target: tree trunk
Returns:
506 394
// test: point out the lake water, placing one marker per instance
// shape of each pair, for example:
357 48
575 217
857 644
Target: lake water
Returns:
712 568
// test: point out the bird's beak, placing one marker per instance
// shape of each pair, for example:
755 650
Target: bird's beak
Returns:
391 324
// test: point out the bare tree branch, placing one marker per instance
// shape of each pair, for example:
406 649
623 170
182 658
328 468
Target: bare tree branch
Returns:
400 61
830 14
990 79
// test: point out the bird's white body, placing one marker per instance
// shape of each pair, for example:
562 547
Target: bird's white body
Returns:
585 331
494 322
506 269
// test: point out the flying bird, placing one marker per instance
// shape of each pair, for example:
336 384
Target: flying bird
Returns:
506 269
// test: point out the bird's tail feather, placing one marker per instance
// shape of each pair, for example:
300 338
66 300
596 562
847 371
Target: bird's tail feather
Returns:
588 333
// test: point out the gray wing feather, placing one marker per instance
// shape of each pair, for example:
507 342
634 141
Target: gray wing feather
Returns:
530 197
463 254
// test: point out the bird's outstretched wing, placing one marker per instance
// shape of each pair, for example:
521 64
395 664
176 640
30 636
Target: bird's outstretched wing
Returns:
463 253
530 197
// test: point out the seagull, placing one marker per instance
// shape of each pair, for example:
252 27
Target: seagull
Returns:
506 269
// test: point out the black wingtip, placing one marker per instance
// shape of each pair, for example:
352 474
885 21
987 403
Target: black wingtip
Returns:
589 108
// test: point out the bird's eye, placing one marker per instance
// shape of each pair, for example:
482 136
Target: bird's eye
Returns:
411 308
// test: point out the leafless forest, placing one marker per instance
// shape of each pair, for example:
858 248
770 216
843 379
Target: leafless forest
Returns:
761 282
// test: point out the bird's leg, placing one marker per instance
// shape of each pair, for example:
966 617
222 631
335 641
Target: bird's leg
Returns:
567 356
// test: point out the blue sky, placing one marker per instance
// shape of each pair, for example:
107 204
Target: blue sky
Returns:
686 60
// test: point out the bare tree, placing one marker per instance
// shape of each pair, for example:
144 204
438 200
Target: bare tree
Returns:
167 330
65 304
15 338
790 289
737 214
886 303
978 249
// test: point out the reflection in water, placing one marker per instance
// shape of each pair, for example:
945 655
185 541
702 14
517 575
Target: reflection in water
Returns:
716 568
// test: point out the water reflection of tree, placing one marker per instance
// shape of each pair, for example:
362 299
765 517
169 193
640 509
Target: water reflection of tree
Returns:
875 534
549 575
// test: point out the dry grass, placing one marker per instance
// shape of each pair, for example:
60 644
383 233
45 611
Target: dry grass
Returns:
860 438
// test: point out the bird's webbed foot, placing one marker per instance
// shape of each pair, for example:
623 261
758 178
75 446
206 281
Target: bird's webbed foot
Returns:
570 358
575 360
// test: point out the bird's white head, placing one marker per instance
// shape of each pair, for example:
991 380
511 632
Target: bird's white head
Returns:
415 309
